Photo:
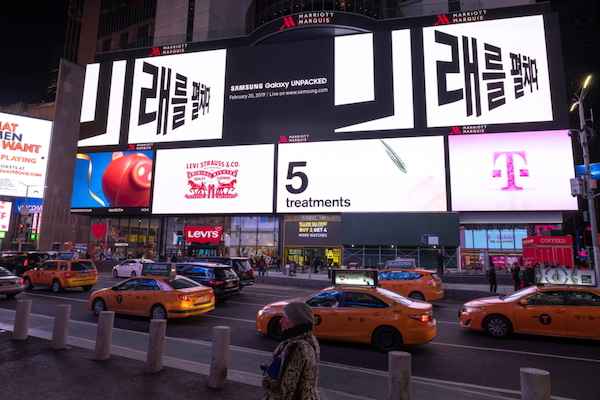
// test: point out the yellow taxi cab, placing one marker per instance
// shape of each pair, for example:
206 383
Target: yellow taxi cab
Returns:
356 310
159 294
62 274
566 311
419 284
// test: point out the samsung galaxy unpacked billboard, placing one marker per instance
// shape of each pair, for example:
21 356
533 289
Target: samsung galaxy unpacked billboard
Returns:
374 175
520 171
487 72
24 147
208 180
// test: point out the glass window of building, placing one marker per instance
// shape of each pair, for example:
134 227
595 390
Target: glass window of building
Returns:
493 239
520 234
480 239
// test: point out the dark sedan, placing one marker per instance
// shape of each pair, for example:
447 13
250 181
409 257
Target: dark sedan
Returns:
221 278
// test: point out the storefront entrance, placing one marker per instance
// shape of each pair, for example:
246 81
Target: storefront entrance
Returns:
308 256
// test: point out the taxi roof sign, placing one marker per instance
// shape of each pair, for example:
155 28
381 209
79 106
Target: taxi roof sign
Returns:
166 270
354 277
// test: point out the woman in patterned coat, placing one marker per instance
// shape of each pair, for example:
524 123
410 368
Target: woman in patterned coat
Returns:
294 371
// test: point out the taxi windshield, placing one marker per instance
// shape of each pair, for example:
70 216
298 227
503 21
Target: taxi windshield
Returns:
519 293
182 283
394 296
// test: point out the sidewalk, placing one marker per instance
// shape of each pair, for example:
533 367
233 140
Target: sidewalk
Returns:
338 382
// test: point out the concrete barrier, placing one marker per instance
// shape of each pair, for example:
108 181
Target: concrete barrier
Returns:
535 384
21 327
220 358
104 332
156 345
61 327
400 375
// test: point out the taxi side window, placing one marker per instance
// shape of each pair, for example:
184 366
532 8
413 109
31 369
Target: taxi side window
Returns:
547 299
399 276
128 285
325 299
361 300
50 266
147 284
587 299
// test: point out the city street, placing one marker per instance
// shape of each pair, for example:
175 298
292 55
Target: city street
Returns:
454 355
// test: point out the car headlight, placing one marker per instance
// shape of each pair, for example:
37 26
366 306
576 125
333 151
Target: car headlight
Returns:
261 312
470 309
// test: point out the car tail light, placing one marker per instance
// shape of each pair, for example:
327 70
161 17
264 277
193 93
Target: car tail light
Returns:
68 275
214 282
422 317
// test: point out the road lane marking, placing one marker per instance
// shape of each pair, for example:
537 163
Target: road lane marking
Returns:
246 303
56 297
528 353
439 321
250 321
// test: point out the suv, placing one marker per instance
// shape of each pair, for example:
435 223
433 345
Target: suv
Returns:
19 262
221 278
241 266
62 274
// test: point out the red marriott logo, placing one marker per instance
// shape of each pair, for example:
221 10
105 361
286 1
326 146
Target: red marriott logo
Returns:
203 234
442 19
288 22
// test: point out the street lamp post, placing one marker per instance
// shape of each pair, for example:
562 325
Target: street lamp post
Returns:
589 194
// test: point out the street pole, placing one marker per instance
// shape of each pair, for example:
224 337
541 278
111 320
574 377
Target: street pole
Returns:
583 138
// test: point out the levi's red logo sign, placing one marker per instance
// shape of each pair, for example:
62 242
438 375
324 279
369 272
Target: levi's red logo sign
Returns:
203 234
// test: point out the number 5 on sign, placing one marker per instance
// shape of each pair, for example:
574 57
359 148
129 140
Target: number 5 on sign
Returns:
291 174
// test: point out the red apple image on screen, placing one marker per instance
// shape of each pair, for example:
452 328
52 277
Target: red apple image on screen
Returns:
127 179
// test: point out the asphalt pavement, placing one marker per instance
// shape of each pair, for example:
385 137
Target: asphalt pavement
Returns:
455 357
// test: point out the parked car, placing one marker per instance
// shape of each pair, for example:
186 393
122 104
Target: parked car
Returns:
241 266
221 278
129 268
19 262
10 284
62 274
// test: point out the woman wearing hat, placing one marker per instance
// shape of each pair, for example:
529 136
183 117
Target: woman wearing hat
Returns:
294 371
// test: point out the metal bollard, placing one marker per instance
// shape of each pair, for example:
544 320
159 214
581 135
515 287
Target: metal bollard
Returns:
400 373
61 327
21 327
104 335
156 345
535 384
220 358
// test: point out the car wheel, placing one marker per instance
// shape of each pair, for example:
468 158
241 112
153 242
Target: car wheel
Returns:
115 273
158 312
28 284
87 288
98 306
417 296
274 328
387 338
55 287
497 326
133 274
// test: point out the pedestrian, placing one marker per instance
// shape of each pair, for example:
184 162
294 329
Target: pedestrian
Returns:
492 279
516 276
174 257
261 266
294 371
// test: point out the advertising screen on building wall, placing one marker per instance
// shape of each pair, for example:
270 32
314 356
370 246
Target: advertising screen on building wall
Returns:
487 72
5 212
208 180
379 175
116 182
518 171
23 155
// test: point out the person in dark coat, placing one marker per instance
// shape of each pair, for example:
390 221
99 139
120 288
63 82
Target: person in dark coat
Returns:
516 276
492 279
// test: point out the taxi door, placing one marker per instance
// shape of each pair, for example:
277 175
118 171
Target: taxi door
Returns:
544 313
122 298
359 313
583 314
325 310
145 295
47 273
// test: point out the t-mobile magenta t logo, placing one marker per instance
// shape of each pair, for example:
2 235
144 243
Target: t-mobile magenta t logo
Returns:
511 181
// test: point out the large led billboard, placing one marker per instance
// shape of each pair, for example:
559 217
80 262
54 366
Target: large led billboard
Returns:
374 175
521 171
23 155
208 180
116 182
487 72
